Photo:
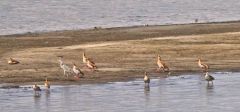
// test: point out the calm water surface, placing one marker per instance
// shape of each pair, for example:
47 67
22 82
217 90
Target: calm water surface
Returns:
21 16
176 93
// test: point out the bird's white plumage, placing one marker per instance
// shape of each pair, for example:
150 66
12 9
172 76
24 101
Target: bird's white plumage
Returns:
65 68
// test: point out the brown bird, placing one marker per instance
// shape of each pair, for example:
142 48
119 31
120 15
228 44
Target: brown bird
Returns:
77 71
47 84
202 65
11 61
209 78
36 88
84 57
146 79
91 65
161 64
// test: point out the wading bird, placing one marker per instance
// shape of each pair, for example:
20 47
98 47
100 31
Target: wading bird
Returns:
90 65
146 79
36 89
161 64
47 84
11 61
65 69
77 71
209 78
202 65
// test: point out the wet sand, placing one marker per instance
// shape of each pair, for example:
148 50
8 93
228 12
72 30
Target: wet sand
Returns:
121 54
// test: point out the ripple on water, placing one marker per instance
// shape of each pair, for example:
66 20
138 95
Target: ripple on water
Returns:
177 93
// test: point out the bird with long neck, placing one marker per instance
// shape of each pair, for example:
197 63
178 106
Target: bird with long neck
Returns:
202 65
91 65
65 69
209 78
36 88
146 79
47 84
161 64
11 61
84 57
77 71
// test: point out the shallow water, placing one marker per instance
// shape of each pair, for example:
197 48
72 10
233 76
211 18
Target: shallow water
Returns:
21 16
176 93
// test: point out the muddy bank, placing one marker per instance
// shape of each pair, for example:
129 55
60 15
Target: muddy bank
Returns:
121 54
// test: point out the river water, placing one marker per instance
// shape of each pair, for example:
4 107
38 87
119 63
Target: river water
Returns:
185 93
21 16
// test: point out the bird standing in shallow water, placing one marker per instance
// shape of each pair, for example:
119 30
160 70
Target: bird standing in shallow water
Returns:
36 89
77 71
47 84
11 61
146 79
209 78
202 65
161 64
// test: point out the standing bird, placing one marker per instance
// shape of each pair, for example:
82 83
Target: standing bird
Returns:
11 61
90 65
65 68
161 64
47 84
146 79
36 88
84 57
209 78
77 71
202 65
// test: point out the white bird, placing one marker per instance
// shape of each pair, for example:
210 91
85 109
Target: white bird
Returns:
65 68
146 79
77 71
209 78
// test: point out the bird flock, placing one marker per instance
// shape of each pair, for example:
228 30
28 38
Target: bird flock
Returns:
91 66
162 65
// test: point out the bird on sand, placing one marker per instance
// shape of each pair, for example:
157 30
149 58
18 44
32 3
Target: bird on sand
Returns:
36 89
47 84
90 65
65 68
77 71
84 57
11 61
146 79
202 65
209 78
161 64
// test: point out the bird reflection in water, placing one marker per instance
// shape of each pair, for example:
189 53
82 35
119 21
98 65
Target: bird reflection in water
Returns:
147 93
209 87
47 92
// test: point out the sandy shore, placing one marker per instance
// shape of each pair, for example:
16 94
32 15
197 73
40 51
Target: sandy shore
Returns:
121 54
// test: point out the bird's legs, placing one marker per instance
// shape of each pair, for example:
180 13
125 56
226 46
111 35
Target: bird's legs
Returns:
163 70
77 76
63 74
157 69
85 66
